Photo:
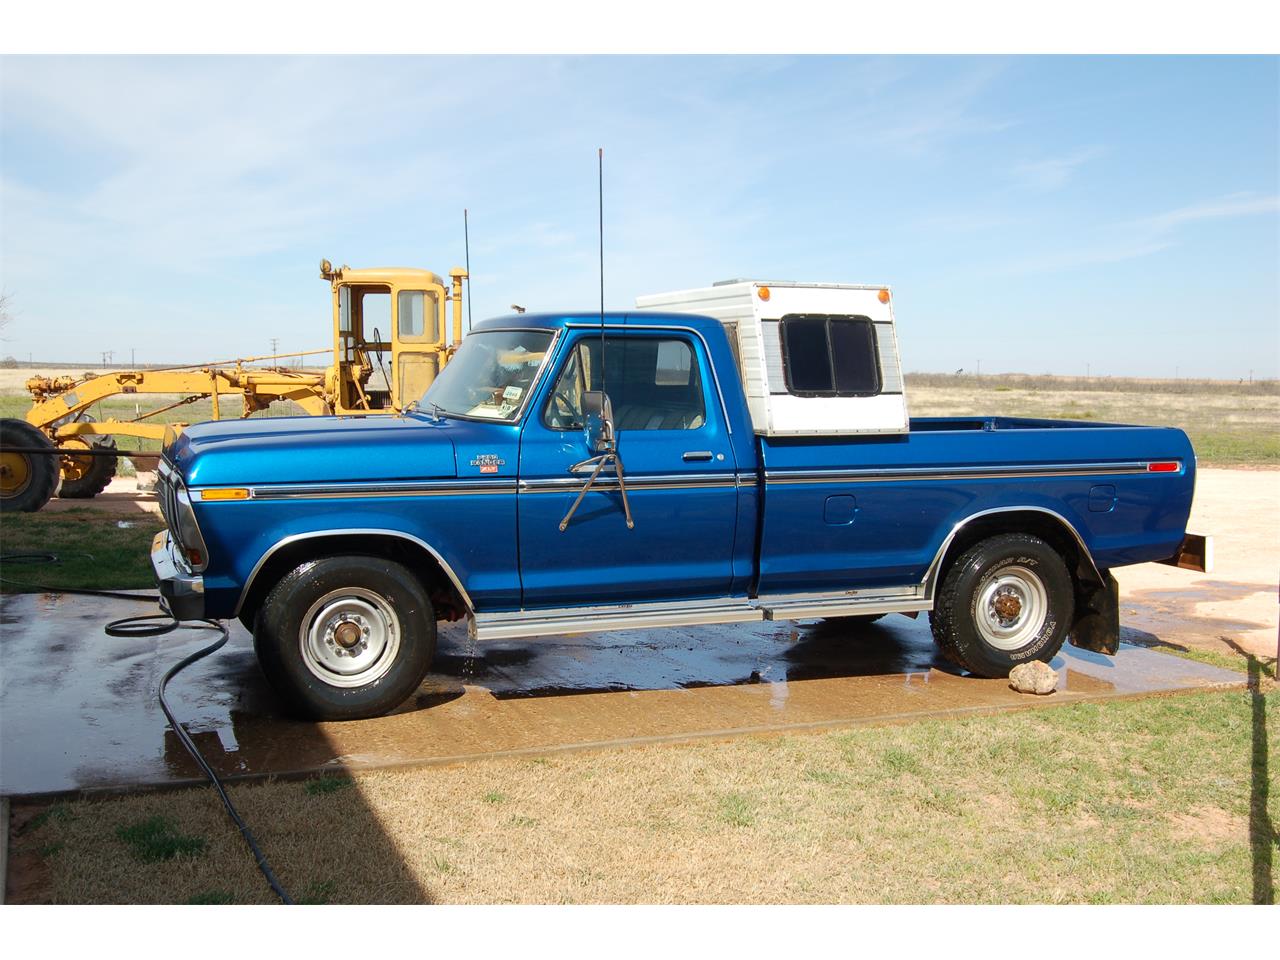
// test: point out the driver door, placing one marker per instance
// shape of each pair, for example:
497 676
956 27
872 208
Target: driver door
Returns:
678 467
418 341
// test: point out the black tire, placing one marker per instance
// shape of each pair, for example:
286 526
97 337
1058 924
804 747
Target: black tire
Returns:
27 480
86 477
1005 601
322 598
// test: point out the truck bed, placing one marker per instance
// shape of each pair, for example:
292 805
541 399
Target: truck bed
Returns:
877 509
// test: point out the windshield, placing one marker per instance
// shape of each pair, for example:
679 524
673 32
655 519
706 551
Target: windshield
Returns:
490 375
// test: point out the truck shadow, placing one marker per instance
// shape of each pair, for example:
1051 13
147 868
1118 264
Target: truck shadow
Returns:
321 833
705 656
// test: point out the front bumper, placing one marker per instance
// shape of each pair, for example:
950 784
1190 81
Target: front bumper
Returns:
182 594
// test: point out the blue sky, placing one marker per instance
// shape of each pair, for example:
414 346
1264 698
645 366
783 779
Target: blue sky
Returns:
1036 214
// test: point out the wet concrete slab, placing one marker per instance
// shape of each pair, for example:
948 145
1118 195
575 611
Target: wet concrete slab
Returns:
78 709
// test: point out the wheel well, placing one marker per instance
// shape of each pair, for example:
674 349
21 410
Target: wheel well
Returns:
445 597
1048 527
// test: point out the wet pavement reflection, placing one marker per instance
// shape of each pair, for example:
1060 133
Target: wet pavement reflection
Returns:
78 709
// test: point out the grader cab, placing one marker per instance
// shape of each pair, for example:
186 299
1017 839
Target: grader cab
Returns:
389 334
390 339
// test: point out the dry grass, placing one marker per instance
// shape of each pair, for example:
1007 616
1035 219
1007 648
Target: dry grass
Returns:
1160 800
1229 423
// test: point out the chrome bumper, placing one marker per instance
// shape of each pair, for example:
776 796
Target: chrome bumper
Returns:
182 594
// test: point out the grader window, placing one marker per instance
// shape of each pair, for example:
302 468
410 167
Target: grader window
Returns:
418 320
375 313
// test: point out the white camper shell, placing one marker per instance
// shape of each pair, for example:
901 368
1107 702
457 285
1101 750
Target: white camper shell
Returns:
817 359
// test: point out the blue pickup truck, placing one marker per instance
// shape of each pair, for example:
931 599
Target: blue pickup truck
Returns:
731 454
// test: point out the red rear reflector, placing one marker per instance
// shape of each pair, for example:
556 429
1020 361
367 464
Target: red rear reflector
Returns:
1163 466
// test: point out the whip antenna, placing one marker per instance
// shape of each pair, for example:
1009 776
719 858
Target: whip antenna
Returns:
466 244
600 207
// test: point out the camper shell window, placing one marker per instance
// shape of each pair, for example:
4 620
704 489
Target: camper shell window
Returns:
830 356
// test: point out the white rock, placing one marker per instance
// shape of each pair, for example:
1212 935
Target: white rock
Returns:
1033 677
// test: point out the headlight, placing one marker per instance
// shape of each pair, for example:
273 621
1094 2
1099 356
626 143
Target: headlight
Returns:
187 532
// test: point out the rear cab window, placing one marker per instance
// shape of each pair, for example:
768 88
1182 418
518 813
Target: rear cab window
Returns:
830 356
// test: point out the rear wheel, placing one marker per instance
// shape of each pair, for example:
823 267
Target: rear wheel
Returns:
86 476
27 480
1005 601
344 638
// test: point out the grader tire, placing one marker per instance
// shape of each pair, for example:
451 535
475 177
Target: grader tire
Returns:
85 477
27 480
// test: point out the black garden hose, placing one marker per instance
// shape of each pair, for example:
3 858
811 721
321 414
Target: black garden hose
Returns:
155 625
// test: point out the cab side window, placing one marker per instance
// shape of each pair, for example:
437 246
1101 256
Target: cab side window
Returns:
653 384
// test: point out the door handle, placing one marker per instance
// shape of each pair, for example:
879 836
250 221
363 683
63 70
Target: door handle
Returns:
692 455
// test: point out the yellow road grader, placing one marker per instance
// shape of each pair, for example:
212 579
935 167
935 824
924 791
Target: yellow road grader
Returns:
390 339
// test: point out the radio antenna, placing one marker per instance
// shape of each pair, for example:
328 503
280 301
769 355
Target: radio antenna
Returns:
600 207
466 243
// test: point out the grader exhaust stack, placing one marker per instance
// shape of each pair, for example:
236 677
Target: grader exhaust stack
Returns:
379 314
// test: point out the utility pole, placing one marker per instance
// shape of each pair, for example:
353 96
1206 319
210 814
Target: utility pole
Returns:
133 357
275 345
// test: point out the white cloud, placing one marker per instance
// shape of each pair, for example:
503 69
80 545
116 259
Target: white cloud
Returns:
1054 173
1129 240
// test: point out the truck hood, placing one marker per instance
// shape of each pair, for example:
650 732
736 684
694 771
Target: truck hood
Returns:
312 449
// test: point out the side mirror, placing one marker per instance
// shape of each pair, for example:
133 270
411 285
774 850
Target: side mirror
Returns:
597 416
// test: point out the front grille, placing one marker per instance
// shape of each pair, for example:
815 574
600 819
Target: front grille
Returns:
166 494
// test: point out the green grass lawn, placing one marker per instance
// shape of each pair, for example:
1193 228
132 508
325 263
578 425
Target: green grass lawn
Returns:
94 550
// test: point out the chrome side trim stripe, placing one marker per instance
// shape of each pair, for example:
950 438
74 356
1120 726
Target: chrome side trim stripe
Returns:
472 488
418 488
674 481
954 473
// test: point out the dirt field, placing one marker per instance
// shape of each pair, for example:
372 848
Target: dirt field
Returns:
1229 423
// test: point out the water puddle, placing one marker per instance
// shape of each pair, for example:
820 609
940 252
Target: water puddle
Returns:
79 710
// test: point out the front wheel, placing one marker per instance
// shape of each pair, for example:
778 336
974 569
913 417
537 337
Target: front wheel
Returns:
1005 601
345 638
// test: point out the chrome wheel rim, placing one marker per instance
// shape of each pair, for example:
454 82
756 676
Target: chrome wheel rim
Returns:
1011 608
350 637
